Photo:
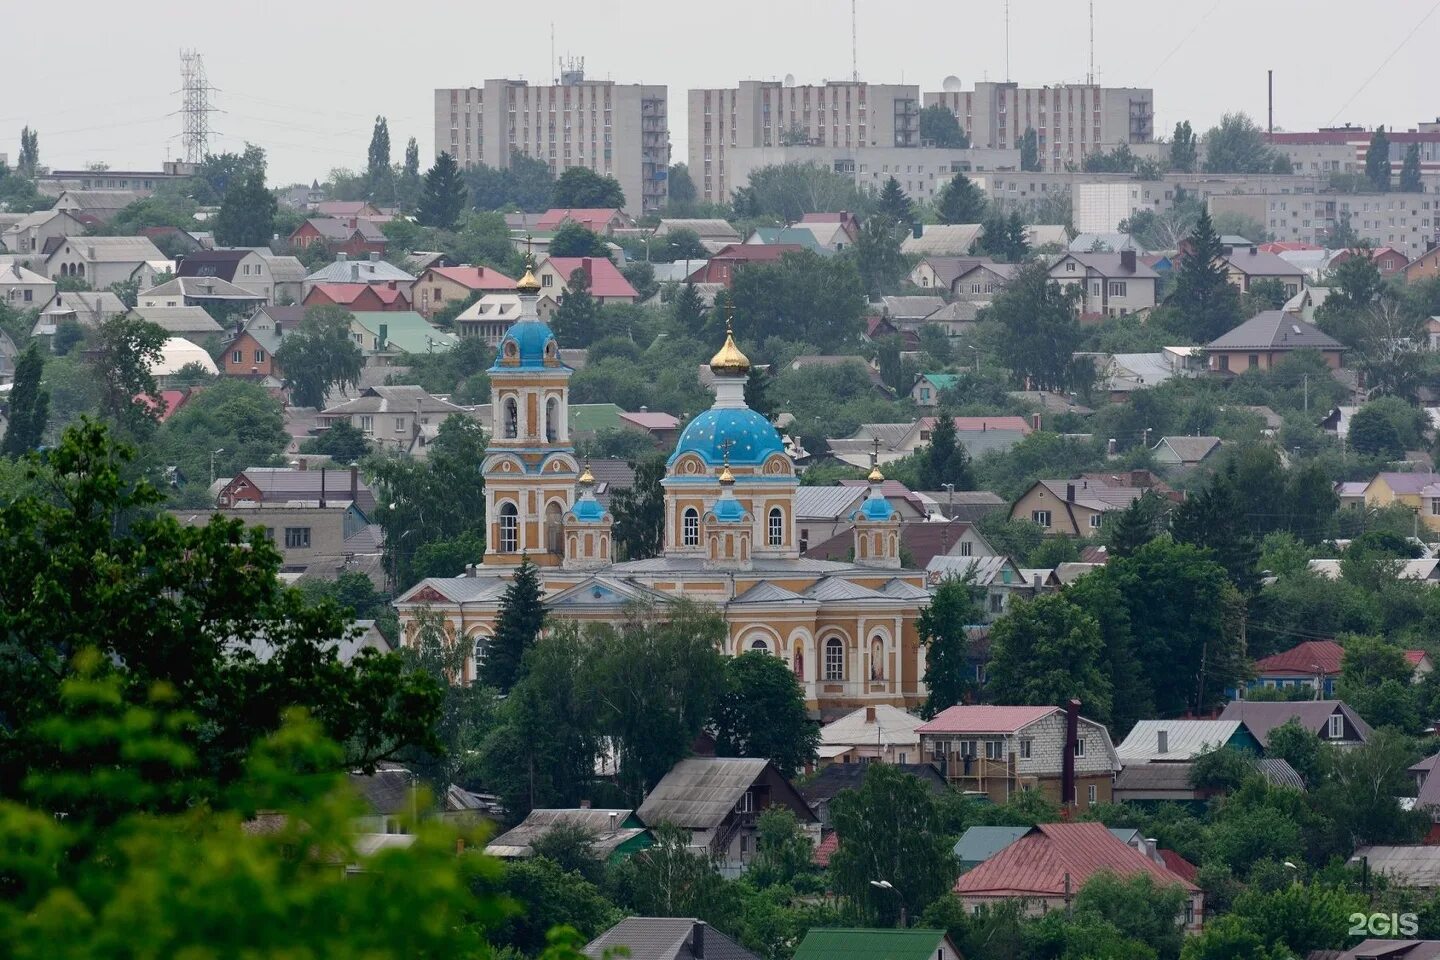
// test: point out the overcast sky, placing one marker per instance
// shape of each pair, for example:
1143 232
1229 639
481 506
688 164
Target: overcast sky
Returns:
306 79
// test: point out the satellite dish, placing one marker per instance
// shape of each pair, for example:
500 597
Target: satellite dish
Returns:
951 84
789 79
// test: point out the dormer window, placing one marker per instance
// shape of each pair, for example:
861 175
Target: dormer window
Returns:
1336 730
510 350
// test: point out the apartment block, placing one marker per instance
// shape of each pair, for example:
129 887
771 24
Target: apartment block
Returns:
1070 121
768 113
1344 149
922 172
1409 222
617 130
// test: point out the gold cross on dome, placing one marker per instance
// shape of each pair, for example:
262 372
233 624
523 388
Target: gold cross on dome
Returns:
729 315
725 446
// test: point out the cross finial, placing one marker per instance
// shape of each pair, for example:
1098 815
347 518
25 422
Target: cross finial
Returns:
725 446
729 315
529 257
875 455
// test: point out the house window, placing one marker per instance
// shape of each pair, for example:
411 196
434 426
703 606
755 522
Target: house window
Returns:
759 646
297 538
1117 288
747 803
997 603
994 749
512 419
1094 521
29 295
238 356
509 528
259 356
690 528
1042 517
1254 360
1336 729
1080 747
777 527
367 424
834 659
1189 912
967 549
399 424
547 281
1091 794
1069 266
482 647
1026 745
1225 361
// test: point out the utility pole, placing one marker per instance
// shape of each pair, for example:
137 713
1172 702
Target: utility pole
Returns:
196 109
1090 77
1007 41
854 58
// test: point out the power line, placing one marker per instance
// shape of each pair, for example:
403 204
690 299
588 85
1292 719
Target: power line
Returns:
1176 49
1409 35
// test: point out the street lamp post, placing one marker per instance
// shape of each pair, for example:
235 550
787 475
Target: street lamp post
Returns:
212 464
887 885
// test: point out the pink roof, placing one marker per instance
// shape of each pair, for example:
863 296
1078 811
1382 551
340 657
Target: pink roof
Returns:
591 218
605 280
1286 246
651 420
968 718
980 424
1039 863
1414 657
168 402
348 292
756 251
826 849
1304 658
1178 865
476 278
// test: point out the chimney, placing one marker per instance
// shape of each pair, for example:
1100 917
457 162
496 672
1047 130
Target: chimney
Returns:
1162 741
869 714
1127 261
1037 583
352 223
304 464
614 822
374 257
1035 421
354 483
1110 447
322 487
390 284
697 940
355 272
1072 737
917 229
340 257
1253 251
279 329
586 265
1069 493
239 326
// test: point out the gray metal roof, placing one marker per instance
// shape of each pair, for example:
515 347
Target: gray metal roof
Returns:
666 938
358 271
1275 330
1412 866
1261 716
698 793
1189 449
179 319
606 828
767 592
393 399
1155 776
1184 739
826 503
978 844
833 589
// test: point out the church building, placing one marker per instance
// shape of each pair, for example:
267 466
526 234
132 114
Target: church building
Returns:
847 629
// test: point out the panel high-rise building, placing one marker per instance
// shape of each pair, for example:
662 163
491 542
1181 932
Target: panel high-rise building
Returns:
616 129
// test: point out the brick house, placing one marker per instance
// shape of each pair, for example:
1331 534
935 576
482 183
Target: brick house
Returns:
1111 284
359 297
1245 266
722 266
252 351
1266 339
438 287
607 284
283 484
601 220
1001 750
353 236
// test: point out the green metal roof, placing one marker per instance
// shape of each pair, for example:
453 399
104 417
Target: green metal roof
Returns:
855 943
406 330
942 381
589 417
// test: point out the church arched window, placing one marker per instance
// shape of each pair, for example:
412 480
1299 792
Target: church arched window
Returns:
758 645
553 525
482 647
834 659
776 527
552 420
512 418
690 527
509 528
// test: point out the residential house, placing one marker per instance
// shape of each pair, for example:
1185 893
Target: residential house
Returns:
661 427
907 313
1052 401
1121 374
89 308
489 317
1266 339
714 233
607 284
1351 494
847 220
823 513
602 220
1316 663
388 297
354 237
1046 236
718 801
212 293
967 505
1425 570
177 353
343 209
1331 720
1051 863
1388 260
666 938
190 322
35 235
370 270
247 268
861 366
956 239
928 386
1413 866
1244 267
1000 750
880 733
1184 451
390 416
999 579
23 289
1423 267
1154 782
980 282
319 538
938 272
1159 757
978 435
279 485
1387 950
439 287
1111 284
287 274
1073 508
838 776
1418 491
614 834
96 206
102 261
795 236
385 337
251 353
1427 793
910 943
721 266
980 843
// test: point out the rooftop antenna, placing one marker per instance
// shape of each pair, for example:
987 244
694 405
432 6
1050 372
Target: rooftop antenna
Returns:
854 59
1007 41
196 109
1090 77
554 80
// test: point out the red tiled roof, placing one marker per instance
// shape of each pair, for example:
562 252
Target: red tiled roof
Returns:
826 849
979 424
168 402
756 251
1413 657
1178 865
1304 658
349 292
1039 863
968 718
605 280
591 218
1285 246
476 278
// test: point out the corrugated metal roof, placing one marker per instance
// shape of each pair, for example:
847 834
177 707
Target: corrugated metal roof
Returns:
826 503
835 943
955 238
1309 658
699 792
1041 862
1263 716
1184 739
1275 330
666 938
979 718
606 828
1413 866
891 727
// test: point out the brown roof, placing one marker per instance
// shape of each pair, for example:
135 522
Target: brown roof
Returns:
1056 858
984 719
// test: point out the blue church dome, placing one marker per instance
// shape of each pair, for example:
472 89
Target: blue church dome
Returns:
588 510
754 439
729 510
875 509
530 340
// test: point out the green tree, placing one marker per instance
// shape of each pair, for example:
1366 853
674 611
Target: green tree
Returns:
878 258
547 898
576 320
890 830
960 201
29 159
122 354
443 195
1136 907
518 623
681 243
762 714
1359 794
379 178
1005 238
1121 159
466 711
1409 170
688 310
342 442
669 879
178 606
1039 330
945 461
680 188
217 173
247 214
804 297
29 408
782 850
1207 303
639 511
410 186
1130 529
893 203
1030 150
235 417
1046 651
1377 161
318 355
939 126
1237 145
1373 434
942 627
789 191
576 240
583 187
1184 151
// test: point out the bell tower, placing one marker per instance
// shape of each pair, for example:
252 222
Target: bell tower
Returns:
530 470
877 527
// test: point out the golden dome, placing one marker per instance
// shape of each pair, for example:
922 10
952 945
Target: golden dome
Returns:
730 359
876 476
587 478
527 283
726 477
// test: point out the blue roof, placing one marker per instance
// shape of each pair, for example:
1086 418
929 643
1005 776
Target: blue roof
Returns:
587 509
729 510
875 508
754 439
530 337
